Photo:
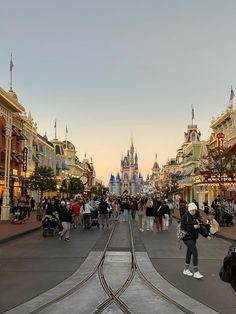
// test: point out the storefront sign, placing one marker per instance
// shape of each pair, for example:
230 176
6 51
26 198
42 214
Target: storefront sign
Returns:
220 139
25 158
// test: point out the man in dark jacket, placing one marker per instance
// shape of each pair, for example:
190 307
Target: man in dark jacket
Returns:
104 213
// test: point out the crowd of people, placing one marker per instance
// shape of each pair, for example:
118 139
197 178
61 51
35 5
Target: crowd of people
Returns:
151 212
22 207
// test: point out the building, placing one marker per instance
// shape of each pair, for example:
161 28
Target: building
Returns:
129 179
11 138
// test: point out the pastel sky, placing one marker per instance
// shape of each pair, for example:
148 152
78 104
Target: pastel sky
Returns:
111 69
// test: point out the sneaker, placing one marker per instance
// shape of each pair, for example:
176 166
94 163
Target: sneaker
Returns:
61 237
67 239
197 275
187 272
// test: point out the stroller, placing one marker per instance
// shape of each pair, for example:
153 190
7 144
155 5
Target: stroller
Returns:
228 219
94 218
50 224
19 217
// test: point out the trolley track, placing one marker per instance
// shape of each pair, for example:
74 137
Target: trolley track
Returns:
114 296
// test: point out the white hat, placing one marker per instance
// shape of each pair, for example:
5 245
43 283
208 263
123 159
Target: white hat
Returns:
192 206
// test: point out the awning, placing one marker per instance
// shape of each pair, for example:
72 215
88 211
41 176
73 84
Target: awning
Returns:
232 188
14 158
35 159
18 133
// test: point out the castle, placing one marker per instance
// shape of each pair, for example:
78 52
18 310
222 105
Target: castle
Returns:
129 179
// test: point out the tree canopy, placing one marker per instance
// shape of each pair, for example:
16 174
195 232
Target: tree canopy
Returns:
42 179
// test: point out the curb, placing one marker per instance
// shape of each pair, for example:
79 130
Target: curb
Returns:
17 235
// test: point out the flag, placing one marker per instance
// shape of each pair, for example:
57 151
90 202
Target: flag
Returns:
192 113
232 94
66 129
55 124
11 64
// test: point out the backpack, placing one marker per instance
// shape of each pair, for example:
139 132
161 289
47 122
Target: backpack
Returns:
180 232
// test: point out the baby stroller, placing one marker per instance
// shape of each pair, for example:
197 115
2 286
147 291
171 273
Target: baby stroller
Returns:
228 219
19 217
94 218
50 224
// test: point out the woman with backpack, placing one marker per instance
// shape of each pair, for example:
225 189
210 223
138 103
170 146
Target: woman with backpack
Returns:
191 224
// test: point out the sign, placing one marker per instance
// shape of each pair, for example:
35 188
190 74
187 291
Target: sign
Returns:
220 139
25 158
220 135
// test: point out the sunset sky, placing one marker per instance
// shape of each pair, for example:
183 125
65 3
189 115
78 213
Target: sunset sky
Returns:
111 69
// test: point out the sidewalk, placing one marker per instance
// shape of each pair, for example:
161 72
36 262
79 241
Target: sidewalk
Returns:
10 231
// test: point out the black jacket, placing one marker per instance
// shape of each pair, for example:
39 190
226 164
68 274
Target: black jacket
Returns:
65 214
187 223
103 208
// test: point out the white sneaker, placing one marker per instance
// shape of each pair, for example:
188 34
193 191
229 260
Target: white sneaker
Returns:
197 275
187 272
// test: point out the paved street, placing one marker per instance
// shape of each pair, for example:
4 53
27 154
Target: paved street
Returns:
32 264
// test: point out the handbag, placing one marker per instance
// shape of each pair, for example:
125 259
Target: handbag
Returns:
203 230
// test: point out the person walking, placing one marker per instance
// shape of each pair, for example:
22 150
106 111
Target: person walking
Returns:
86 211
125 203
32 204
166 215
142 214
149 214
66 219
104 213
134 207
193 227
76 213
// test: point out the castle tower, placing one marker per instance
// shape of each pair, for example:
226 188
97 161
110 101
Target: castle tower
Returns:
129 179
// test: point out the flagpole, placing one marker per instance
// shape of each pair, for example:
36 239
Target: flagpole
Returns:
192 115
55 126
231 98
66 136
11 66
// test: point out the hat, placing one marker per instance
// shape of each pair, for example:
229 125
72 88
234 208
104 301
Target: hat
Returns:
192 206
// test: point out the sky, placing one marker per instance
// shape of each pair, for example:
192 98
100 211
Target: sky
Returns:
111 70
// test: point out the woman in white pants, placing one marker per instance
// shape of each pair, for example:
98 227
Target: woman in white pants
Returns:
149 214
142 215
166 215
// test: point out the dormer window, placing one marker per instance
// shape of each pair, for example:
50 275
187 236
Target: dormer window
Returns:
193 136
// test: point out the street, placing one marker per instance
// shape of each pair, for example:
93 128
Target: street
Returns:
33 264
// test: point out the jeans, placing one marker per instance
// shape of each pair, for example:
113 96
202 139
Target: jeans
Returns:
191 250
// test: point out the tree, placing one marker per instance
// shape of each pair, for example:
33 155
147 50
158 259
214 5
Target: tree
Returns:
220 168
172 187
42 180
76 186
72 186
